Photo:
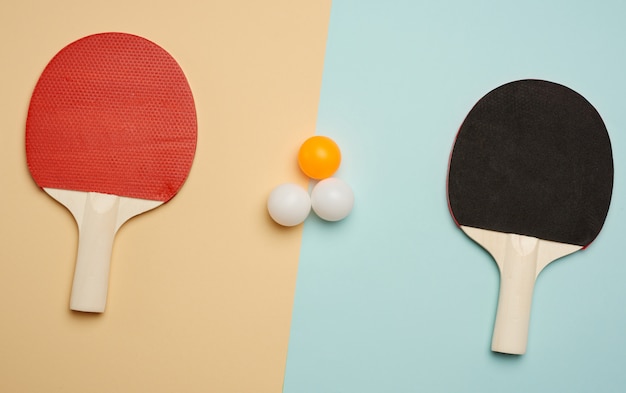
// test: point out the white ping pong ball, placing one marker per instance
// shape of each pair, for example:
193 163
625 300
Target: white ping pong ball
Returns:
332 199
289 204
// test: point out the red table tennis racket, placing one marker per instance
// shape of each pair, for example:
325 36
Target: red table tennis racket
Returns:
530 179
111 133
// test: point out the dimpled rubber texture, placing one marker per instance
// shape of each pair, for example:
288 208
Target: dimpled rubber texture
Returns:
532 158
112 113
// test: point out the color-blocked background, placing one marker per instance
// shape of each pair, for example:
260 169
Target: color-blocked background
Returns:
395 298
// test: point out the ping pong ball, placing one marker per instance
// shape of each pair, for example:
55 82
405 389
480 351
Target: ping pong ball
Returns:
332 199
319 157
289 204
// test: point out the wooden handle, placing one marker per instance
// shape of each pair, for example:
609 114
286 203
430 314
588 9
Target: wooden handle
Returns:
518 272
95 244
98 216
520 259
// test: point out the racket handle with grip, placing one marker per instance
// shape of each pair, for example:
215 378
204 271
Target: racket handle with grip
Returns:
98 216
520 260
95 244
518 272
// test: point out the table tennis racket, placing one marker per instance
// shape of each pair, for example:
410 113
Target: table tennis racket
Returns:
530 179
110 133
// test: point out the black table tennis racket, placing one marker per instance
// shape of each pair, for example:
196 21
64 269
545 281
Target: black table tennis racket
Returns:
530 180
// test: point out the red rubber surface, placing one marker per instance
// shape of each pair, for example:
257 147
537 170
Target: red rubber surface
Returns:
112 113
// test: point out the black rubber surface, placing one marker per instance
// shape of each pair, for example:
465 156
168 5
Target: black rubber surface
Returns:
532 158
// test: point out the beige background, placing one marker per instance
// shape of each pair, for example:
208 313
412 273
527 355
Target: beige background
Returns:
201 288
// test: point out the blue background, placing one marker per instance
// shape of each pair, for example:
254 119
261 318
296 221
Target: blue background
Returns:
396 298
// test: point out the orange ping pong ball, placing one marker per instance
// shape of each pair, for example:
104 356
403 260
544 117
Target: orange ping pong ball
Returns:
319 157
